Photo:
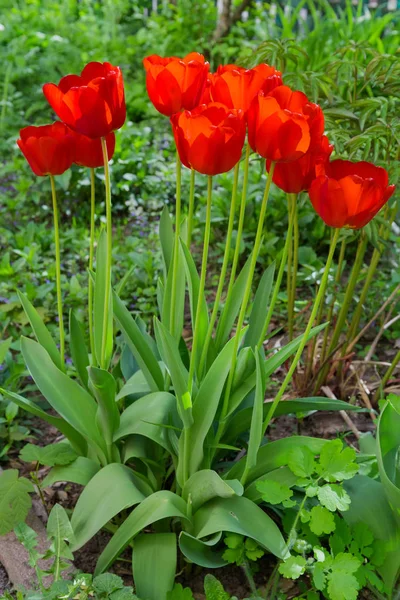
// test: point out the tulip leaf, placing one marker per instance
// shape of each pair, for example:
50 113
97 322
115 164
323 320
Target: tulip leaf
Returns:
79 353
100 302
177 309
152 549
256 426
204 485
80 471
104 387
199 551
260 308
166 239
160 505
388 448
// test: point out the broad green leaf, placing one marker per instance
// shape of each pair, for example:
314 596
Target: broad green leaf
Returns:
100 301
59 530
148 416
112 489
322 521
65 395
302 461
104 388
283 476
106 584
180 593
178 308
199 551
274 492
15 500
333 497
40 330
135 386
51 455
138 345
204 485
256 427
214 589
260 308
79 352
77 441
4 348
240 515
293 567
150 550
388 449
158 506
337 463
80 471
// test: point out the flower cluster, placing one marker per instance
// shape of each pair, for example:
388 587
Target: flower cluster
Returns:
90 106
210 113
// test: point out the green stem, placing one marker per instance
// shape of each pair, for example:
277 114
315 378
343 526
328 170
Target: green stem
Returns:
107 294
176 242
223 270
389 373
245 301
91 258
290 540
310 360
289 275
201 286
236 255
317 301
191 209
278 282
58 270
295 255
250 578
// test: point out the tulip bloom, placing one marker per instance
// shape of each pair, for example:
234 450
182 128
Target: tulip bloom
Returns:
347 194
237 87
283 124
49 149
89 153
175 83
209 138
92 103
296 176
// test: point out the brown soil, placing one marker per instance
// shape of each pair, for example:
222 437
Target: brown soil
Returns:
4 581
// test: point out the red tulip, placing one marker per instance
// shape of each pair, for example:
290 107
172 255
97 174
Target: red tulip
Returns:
347 194
283 124
93 103
88 152
175 83
209 138
297 176
49 149
237 87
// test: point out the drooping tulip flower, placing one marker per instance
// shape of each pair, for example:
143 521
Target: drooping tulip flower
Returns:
237 87
349 194
92 103
175 83
49 149
283 124
209 138
296 176
88 151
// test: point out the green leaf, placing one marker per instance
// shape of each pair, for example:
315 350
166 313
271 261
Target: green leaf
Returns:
214 589
15 500
59 530
66 396
293 567
283 476
4 348
40 330
334 497
100 302
51 455
260 308
204 485
256 427
273 492
80 471
150 550
199 551
90 515
318 575
253 550
158 506
240 515
388 448
26 536
107 584
147 416
336 462
139 345
342 586
301 462
104 388
178 308
322 521
180 593
79 352
166 232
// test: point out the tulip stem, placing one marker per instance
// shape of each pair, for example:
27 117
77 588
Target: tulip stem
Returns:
295 261
278 282
58 271
107 293
387 376
237 245
319 298
202 284
176 242
191 209
243 307
289 274
91 258
223 270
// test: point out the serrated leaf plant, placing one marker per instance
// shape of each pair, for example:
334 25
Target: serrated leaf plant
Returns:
169 435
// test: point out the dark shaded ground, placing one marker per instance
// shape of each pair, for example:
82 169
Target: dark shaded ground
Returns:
4 582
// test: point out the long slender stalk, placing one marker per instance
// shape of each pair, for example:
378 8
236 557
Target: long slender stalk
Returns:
289 275
245 301
176 242
107 293
238 239
224 268
295 255
58 270
389 373
202 284
91 258
278 282
317 301
191 209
